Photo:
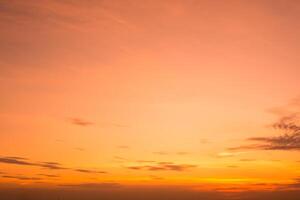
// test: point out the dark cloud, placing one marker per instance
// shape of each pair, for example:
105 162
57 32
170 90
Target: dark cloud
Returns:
136 167
15 157
80 122
163 166
45 165
16 161
90 171
23 178
51 165
288 122
289 139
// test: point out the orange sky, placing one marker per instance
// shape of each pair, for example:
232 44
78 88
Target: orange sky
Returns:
176 92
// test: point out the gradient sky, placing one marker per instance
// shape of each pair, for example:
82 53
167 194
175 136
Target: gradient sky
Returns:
198 93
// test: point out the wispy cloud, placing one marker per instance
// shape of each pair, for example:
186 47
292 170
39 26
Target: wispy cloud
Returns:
84 122
80 122
45 165
288 141
15 160
51 165
23 178
90 171
288 123
163 166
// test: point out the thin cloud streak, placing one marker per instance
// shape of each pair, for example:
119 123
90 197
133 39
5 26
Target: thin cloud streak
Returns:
23 178
45 165
163 166
80 122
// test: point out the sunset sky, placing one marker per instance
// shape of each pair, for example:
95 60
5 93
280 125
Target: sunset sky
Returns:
199 94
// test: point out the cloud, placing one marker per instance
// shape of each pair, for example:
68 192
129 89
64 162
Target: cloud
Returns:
285 142
15 160
46 165
80 122
90 171
288 140
163 166
22 178
51 165
83 122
